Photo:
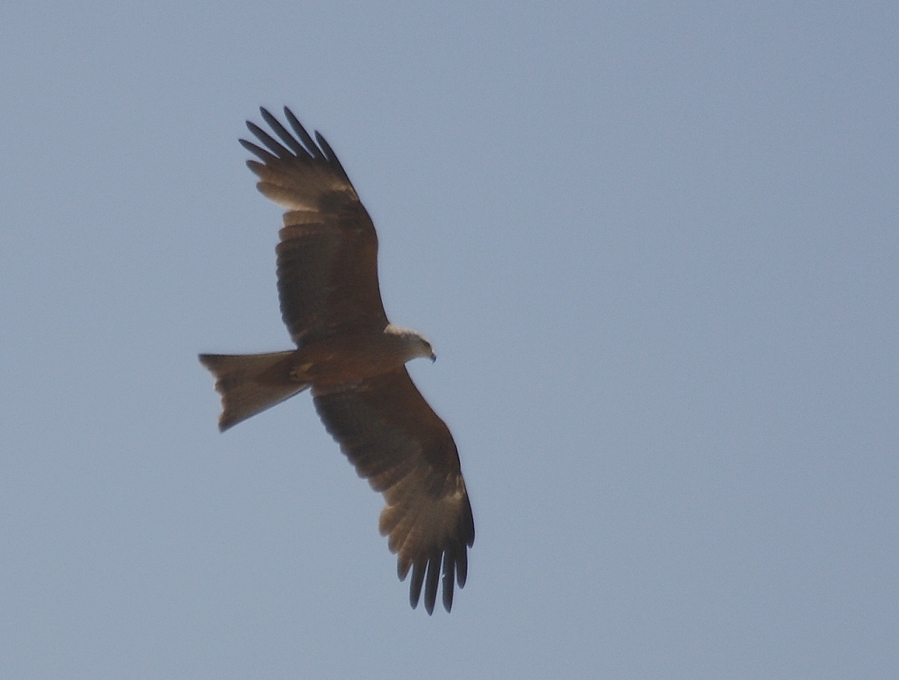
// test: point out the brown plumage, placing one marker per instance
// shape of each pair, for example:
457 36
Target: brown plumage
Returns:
353 359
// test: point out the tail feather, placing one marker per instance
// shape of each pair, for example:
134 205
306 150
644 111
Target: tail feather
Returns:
250 383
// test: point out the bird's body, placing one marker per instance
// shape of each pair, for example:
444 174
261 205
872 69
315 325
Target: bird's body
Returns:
357 356
353 359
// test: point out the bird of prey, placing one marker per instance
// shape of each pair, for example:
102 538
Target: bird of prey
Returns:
353 360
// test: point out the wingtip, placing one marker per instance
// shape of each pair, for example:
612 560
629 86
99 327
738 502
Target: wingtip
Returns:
418 578
449 579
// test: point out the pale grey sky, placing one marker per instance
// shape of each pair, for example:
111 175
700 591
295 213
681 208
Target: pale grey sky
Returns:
656 251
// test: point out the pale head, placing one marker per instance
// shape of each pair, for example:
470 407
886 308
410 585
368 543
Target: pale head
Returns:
415 344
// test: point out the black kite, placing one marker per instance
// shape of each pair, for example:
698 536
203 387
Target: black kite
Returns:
354 360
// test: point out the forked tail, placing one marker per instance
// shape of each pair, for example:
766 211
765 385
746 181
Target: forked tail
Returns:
250 383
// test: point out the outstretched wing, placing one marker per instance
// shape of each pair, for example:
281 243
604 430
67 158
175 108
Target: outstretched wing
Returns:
395 440
328 253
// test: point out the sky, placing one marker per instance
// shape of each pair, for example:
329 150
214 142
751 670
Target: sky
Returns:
655 248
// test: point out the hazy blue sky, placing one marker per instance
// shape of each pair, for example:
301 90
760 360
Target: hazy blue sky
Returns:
655 245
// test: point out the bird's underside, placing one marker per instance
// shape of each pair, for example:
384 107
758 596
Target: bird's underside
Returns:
353 360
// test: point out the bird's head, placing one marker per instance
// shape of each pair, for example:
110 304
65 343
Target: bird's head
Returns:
415 343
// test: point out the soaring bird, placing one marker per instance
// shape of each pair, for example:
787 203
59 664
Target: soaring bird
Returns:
353 359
